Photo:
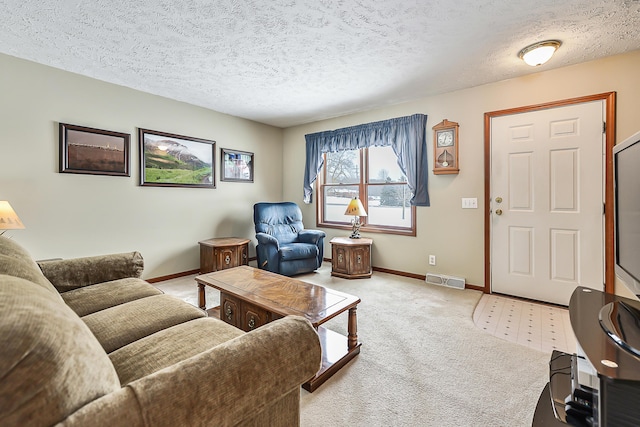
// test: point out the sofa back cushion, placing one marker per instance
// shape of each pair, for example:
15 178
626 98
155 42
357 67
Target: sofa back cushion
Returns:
50 363
26 269
11 248
16 261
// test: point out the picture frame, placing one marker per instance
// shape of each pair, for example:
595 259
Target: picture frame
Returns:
236 165
170 160
86 150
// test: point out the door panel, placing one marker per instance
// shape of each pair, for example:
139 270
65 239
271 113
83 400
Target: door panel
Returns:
520 182
547 230
564 180
521 251
564 253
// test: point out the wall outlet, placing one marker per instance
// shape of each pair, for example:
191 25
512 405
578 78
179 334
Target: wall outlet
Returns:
432 260
469 203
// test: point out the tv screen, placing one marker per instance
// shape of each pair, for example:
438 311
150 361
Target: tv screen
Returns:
626 163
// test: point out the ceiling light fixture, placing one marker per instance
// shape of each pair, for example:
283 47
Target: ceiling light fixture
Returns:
539 53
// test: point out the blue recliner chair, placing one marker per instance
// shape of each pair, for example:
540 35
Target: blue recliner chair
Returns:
284 246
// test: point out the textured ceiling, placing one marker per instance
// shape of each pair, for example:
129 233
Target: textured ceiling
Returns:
287 62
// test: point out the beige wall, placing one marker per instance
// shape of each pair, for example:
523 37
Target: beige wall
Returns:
455 235
69 215
74 215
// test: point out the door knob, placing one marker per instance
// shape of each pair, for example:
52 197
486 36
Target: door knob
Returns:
498 211
498 199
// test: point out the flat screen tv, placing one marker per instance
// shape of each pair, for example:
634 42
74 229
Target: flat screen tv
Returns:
626 170
621 320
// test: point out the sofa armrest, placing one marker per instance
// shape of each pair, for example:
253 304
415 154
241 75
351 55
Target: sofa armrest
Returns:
310 236
68 274
221 386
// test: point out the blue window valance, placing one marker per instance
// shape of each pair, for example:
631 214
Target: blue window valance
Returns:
406 135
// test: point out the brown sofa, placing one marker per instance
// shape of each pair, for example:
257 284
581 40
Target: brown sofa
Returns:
87 342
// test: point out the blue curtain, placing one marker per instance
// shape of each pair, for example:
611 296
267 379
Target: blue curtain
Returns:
406 135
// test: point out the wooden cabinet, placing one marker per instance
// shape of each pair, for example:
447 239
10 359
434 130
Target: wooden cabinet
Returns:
242 314
351 258
221 253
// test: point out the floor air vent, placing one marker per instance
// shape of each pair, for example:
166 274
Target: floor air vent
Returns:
442 280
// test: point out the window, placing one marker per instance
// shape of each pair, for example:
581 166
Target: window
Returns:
373 175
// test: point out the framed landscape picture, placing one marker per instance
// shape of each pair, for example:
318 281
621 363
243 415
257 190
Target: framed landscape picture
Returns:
93 151
236 165
168 160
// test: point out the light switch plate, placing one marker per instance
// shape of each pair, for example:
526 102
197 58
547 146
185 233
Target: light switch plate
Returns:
469 203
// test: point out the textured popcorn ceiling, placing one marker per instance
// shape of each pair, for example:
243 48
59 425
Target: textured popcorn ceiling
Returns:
287 62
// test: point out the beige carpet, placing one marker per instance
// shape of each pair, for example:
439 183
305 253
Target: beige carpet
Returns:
423 362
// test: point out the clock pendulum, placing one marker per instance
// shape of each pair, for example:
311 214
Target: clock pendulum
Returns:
444 158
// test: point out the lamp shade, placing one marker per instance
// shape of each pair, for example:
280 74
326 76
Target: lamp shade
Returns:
539 53
8 218
355 208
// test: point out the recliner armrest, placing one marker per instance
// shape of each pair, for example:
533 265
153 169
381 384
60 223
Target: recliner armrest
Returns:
310 236
267 239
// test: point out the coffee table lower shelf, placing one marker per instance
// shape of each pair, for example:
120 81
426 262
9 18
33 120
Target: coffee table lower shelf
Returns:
335 354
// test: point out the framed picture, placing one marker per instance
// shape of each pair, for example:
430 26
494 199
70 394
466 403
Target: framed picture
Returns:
168 160
93 151
236 165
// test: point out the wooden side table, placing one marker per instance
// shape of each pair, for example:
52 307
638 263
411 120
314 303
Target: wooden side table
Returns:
351 258
226 252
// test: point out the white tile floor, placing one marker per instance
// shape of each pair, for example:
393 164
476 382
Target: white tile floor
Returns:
539 326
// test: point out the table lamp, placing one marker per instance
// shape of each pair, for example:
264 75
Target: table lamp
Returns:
8 218
356 210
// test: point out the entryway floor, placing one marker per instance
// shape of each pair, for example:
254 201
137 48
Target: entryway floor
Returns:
539 326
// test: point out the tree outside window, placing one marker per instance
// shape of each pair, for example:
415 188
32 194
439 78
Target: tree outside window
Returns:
373 175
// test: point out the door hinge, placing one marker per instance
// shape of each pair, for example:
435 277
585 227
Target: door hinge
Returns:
604 127
604 209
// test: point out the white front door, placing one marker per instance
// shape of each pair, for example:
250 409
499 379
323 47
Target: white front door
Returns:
547 194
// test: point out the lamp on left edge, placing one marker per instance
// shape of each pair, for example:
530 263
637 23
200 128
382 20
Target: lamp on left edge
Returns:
8 218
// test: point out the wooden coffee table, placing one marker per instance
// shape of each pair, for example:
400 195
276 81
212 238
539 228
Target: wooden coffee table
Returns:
250 298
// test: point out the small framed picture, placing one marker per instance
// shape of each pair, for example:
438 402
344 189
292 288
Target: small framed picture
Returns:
168 160
236 165
93 151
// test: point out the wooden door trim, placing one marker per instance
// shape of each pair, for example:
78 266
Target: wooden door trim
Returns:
610 138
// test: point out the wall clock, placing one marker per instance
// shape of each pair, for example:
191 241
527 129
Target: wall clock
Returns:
445 148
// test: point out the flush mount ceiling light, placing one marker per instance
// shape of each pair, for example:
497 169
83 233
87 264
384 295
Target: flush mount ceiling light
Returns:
539 53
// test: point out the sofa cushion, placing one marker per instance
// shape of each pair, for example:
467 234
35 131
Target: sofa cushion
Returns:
92 298
234 380
123 324
50 363
26 268
169 346
293 251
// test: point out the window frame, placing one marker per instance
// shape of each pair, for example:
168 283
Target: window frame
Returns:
363 154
